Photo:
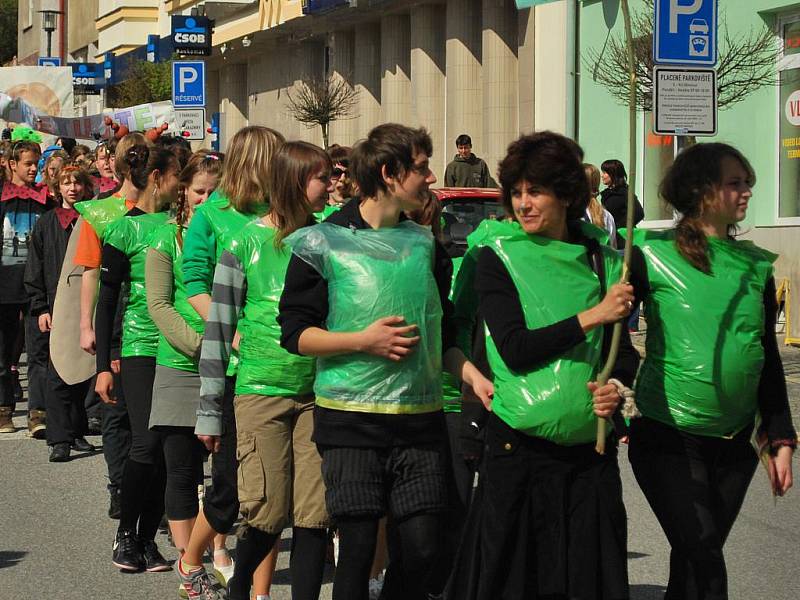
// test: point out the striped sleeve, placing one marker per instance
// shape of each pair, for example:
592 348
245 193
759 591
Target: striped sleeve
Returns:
227 299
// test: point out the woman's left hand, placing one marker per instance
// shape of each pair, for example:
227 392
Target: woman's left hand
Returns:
780 470
606 398
484 389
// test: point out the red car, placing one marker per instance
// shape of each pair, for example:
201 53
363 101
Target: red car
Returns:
464 208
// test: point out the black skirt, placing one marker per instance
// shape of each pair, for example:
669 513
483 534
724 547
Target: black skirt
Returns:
547 522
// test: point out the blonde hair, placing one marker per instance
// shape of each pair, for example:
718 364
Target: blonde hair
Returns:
121 164
596 210
245 175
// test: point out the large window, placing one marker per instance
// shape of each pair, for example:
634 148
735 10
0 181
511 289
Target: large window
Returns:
789 123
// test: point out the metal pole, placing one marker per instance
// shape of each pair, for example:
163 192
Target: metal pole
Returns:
49 42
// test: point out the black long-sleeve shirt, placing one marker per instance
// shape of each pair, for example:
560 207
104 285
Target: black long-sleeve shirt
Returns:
304 304
46 251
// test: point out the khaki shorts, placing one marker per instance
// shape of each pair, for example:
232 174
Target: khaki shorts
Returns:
280 470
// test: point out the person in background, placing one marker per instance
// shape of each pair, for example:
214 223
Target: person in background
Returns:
67 143
342 179
5 154
595 213
614 197
82 156
54 163
466 169
66 415
106 181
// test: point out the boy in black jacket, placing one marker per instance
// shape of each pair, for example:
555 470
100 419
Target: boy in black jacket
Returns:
65 403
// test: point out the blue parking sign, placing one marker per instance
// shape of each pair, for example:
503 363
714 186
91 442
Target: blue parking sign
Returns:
49 61
685 32
188 83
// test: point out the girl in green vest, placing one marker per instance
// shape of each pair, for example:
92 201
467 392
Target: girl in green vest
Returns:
154 170
712 371
548 519
280 481
242 197
176 389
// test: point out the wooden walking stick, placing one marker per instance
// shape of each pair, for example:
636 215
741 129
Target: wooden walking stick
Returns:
602 377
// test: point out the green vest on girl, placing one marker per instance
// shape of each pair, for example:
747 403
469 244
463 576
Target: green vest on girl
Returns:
703 350
101 213
375 273
554 281
131 236
265 368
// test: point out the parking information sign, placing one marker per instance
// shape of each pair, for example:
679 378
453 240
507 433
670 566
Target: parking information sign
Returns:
192 121
685 32
685 101
188 83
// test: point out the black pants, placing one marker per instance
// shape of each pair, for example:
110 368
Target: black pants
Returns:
221 501
66 412
138 374
9 331
183 456
695 486
37 347
116 436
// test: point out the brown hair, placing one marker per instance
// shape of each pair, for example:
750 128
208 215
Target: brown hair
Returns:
245 177
143 159
202 161
595 208
690 186
52 183
24 146
430 213
552 161
293 165
80 175
121 165
5 154
390 145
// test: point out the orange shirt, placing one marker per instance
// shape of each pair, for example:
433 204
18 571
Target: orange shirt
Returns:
88 253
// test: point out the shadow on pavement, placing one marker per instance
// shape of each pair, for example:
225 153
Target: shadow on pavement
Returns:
9 558
647 592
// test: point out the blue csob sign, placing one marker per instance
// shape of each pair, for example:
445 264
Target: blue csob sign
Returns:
188 83
685 32
87 78
191 35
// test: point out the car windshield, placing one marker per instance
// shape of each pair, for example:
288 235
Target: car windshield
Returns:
463 215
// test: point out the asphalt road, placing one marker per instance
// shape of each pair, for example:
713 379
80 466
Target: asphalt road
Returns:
55 537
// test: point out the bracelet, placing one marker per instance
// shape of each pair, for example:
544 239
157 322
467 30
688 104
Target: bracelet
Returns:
629 409
788 442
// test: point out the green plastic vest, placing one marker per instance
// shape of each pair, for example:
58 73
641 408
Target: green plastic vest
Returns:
373 274
101 213
554 282
325 212
264 367
165 240
132 236
703 349
451 386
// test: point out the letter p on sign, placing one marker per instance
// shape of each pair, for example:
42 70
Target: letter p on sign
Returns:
676 8
186 76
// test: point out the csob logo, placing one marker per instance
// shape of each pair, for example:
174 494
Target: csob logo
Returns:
190 33
83 76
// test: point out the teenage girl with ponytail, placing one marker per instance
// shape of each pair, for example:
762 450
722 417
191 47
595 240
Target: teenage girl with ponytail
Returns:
177 381
712 372
154 172
241 197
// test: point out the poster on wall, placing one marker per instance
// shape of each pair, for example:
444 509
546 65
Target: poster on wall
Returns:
789 131
47 89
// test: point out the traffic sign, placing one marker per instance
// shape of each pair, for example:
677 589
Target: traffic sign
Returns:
188 83
49 61
192 121
685 32
685 101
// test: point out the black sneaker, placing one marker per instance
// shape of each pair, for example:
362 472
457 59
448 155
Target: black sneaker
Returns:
80 444
127 554
153 560
59 452
115 503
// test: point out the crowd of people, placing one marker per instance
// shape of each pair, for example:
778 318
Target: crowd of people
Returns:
302 317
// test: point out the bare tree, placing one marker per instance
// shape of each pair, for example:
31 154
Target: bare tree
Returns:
320 101
747 62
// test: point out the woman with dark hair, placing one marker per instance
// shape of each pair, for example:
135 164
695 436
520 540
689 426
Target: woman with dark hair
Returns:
615 196
548 519
154 172
279 475
712 371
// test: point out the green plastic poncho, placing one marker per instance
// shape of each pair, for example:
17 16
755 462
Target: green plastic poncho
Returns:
265 368
554 282
165 240
132 236
373 274
703 350
326 212
451 386
101 213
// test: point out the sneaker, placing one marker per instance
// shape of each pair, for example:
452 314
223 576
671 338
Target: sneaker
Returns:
37 427
375 587
59 452
154 562
198 584
80 444
6 421
223 573
127 554
115 503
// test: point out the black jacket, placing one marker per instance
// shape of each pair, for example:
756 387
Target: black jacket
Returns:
615 201
46 252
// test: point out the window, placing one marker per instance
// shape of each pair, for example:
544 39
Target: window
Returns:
658 155
789 124
27 15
